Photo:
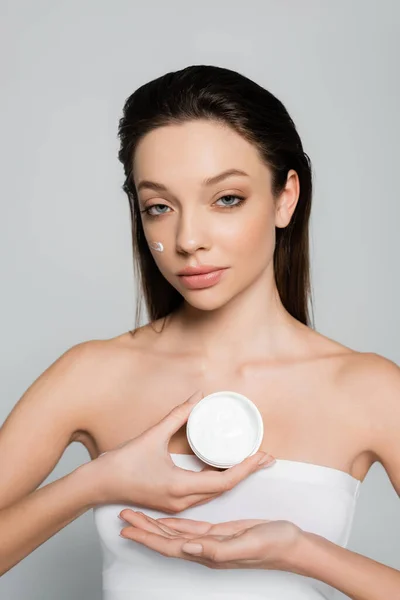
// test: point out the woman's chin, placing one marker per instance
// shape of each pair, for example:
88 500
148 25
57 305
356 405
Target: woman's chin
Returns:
205 300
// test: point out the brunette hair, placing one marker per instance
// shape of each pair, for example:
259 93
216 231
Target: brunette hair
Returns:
223 96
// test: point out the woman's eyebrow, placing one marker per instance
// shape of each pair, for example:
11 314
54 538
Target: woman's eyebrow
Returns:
159 187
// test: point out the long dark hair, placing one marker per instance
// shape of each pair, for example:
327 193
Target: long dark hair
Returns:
221 95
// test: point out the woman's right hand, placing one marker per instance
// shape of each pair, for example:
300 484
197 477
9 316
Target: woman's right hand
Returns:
142 472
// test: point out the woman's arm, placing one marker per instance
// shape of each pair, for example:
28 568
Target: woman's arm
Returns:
355 575
28 523
32 440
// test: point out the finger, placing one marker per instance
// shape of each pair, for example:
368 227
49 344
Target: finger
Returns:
159 543
204 527
178 416
143 521
221 549
219 481
138 519
187 525
163 527
234 527
157 526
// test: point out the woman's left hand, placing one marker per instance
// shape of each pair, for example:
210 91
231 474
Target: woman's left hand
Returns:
244 544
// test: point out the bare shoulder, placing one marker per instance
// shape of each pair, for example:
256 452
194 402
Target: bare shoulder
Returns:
373 383
45 419
128 349
76 374
376 375
109 364
103 362
90 362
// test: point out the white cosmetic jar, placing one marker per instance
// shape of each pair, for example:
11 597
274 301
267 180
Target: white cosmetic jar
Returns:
224 428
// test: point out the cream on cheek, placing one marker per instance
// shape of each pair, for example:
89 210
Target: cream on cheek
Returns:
158 246
153 238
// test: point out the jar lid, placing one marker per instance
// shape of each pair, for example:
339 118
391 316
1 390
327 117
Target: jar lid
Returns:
224 428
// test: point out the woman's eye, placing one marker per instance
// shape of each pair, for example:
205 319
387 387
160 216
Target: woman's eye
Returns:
147 210
230 197
240 198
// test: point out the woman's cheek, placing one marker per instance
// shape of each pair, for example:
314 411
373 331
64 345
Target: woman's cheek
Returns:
254 241
157 246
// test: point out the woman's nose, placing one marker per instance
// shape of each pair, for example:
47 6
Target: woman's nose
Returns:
189 245
191 236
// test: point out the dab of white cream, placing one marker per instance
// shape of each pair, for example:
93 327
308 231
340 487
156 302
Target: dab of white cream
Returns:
157 246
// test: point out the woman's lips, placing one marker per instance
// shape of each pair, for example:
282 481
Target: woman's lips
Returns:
196 282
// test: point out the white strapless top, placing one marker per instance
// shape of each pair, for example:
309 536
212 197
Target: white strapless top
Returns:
318 499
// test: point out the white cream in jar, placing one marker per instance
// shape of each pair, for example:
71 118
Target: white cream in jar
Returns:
224 428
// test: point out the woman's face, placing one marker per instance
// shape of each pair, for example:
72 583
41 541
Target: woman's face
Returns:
229 223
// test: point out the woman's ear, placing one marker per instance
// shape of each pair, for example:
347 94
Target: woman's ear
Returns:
287 201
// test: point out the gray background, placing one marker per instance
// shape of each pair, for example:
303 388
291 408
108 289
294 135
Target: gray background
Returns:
66 69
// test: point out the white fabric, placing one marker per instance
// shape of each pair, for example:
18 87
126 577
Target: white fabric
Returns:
318 499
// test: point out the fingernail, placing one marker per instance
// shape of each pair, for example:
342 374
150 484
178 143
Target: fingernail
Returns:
267 460
191 548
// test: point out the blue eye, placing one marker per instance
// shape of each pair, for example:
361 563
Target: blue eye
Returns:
147 210
152 215
240 198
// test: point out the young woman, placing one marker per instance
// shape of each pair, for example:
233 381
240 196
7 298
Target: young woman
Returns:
218 183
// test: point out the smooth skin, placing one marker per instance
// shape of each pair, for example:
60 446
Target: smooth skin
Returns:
235 335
